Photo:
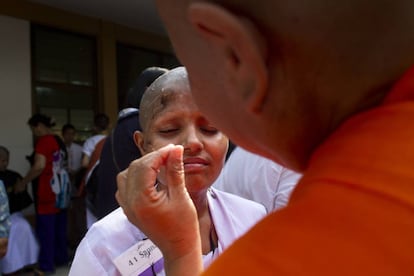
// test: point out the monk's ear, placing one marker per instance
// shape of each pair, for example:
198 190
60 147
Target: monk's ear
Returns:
242 48
139 141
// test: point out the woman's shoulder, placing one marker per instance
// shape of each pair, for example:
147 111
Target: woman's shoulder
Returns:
107 239
113 225
113 231
236 202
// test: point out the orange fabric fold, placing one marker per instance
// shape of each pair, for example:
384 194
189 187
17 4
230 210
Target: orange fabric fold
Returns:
353 211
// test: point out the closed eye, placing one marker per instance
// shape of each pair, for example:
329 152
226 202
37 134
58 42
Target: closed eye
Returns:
168 130
209 130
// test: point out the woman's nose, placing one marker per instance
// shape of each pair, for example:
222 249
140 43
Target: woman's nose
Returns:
192 141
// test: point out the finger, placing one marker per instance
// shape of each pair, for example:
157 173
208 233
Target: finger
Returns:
137 182
121 184
143 172
174 169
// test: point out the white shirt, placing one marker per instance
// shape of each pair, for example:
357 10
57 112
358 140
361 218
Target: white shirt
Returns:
74 157
257 178
90 144
114 234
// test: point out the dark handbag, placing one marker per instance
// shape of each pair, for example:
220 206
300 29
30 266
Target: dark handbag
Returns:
19 201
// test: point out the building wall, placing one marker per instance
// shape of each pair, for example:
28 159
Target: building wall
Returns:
15 91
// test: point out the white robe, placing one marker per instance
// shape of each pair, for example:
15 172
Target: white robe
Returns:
114 234
23 249
257 178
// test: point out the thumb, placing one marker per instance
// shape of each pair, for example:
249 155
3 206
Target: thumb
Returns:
174 169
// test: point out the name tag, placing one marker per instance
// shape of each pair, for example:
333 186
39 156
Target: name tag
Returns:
138 258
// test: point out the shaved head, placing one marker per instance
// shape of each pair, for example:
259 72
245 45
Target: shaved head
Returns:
291 71
160 92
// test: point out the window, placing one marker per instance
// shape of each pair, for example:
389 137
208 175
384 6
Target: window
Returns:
64 77
131 61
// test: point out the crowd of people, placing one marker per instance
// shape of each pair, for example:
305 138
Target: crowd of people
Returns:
56 175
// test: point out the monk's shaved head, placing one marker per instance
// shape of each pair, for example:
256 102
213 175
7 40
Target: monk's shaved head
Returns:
295 67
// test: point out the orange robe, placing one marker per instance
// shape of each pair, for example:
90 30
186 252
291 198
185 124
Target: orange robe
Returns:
353 211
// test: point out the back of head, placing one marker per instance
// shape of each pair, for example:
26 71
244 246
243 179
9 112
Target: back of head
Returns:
101 122
42 119
295 67
148 76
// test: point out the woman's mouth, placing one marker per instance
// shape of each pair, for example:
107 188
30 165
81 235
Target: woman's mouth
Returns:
194 164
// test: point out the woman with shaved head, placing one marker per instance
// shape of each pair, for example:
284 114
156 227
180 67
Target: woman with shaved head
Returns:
169 118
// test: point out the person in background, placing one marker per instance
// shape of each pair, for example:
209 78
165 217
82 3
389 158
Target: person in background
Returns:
23 249
11 179
100 130
51 221
168 115
90 184
74 151
76 210
321 87
257 178
119 149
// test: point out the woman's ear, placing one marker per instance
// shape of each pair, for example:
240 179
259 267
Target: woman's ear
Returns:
241 46
139 141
